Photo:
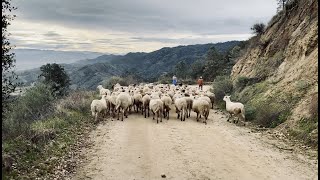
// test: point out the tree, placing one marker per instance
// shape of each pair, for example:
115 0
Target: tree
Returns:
281 4
215 63
258 28
55 76
8 75
197 69
181 70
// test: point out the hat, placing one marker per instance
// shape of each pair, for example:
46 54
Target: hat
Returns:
200 77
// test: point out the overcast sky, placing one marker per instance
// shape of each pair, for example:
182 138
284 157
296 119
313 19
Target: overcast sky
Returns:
121 26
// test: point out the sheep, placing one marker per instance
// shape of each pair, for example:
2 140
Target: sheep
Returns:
103 91
145 104
123 101
212 97
201 107
137 101
234 108
206 98
181 108
156 107
99 107
189 104
166 105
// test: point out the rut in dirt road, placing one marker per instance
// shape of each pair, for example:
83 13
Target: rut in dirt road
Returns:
139 148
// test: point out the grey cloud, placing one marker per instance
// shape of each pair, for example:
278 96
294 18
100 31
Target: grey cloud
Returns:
145 16
51 34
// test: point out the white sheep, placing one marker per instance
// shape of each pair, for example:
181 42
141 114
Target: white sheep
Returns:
137 101
145 104
234 108
123 101
99 107
166 99
189 104
103 91
156 107
206 98
181 107
201 107
211 96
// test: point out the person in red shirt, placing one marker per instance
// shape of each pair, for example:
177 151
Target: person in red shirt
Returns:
200 82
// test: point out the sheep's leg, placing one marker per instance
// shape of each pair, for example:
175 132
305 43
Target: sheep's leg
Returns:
197 117
153 115
96 117
157 116
126 112
184 114
145 112
160 113
229 117
148 112
142 109
122 114
118 112
168 115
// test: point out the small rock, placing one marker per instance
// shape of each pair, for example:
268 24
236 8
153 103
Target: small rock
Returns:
163 176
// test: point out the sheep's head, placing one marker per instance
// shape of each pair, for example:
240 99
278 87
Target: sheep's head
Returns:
104 97
99 87
226 98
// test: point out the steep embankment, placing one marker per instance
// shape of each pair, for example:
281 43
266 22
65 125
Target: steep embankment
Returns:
285 58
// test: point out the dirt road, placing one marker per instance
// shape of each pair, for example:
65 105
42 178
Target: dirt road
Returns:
139 148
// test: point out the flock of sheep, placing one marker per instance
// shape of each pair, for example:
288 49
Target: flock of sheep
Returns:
159 98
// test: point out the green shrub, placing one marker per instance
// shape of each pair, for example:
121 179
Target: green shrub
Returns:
250 112
304 131
77 101
222 85
241 82
258 28
270 113
114 80
313 107
34 104
302 85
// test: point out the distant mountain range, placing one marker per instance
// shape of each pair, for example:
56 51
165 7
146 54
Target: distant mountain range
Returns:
34 58
87 74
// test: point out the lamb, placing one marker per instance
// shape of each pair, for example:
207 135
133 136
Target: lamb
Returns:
123 101
99 107
166 99
103 91
181 107
156 107
201 107
234 108
145 104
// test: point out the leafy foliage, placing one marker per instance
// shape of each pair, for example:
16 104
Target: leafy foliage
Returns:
56 77
222 85
8 75
35 104
258 28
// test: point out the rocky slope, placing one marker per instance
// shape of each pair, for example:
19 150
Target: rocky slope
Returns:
286 57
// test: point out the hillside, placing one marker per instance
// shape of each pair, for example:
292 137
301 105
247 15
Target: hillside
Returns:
27 59
282 64
87 74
